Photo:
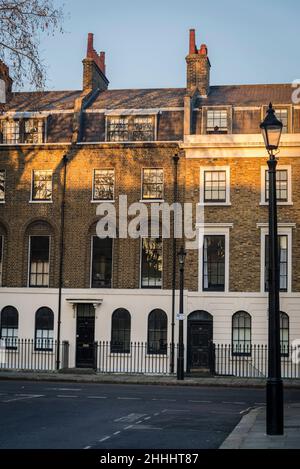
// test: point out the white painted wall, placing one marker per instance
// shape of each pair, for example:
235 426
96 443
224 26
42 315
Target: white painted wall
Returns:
140 303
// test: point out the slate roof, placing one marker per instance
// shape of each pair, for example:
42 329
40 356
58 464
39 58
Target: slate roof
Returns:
248 95
140 98
238 95
42 101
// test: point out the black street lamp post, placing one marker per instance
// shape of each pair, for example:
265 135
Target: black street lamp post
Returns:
271 129
180 359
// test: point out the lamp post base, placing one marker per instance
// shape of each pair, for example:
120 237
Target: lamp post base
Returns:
275 407
180 369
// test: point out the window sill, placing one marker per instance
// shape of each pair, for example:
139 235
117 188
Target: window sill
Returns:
41 201
214 204
2 201
152 201
102 201
266 204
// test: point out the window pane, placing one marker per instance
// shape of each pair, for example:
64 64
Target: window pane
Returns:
104 181
151 263
217 121
282 115
2 185
33 132
214 263
130 128
11 131
42 185
120 335
101 262
153 183
281 185
283 261
39 261
215 186
157 332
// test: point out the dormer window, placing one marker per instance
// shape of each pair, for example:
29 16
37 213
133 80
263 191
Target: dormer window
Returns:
33 130
283 115
217 121
16 131
11 132
130 128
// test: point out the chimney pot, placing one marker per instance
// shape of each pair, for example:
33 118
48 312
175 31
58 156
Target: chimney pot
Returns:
90 45
193 48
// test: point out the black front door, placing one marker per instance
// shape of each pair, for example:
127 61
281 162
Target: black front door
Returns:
200 336
85 336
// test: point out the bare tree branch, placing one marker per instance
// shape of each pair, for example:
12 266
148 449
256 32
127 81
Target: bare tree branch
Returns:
21 23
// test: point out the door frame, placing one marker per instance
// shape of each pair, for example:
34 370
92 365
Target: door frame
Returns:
76 334
198 317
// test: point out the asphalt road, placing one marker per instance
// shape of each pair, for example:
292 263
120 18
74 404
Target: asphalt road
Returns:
43 415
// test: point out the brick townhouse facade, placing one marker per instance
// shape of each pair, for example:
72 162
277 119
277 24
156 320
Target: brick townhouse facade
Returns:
62 153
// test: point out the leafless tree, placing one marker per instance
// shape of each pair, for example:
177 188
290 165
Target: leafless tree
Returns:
22 23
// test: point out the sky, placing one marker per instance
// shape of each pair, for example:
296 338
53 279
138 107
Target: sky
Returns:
146 42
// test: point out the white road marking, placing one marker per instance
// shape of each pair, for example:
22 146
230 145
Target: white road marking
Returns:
97 397
21 398
127 428
164 400
156 414
129 398
104 439
201 402
66 396
130 418
117 433
234 403
63 389
147 418
87 447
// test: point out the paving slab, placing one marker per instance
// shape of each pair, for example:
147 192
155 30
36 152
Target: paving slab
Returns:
250 433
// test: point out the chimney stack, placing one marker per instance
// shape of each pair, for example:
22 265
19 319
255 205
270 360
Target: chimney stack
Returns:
94 68
198 67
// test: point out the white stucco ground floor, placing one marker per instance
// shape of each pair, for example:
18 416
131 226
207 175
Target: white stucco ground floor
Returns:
135 341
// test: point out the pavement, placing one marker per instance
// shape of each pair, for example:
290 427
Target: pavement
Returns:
250 433
217 381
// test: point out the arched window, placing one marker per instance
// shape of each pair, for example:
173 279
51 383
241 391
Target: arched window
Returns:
284 334
241 333
44 325
120 331
9 326
157 332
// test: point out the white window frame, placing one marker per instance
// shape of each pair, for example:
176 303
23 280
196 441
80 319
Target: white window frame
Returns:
284 230
204 169
33 201
28 262
214 230
99 201
263 170
2 201
149 201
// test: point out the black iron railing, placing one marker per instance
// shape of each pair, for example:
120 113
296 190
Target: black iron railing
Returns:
251 361
136 358
32 355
